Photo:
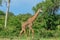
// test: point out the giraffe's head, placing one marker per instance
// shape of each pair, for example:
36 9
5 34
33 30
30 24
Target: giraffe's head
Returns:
40 10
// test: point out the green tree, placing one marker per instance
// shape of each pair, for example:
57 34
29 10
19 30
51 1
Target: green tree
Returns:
0 2
2 14
49 8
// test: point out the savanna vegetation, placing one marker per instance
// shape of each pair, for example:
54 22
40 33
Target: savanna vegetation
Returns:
46 25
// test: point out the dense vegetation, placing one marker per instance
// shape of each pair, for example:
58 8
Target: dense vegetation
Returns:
47 23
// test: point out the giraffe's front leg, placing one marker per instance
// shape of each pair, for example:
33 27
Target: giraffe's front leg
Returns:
21 32
23 29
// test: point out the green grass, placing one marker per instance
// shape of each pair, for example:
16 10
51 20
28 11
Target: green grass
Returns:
29 38
24 37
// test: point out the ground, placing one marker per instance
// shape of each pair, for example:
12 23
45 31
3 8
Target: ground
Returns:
18 38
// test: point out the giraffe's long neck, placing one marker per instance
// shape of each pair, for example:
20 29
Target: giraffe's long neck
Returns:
35 16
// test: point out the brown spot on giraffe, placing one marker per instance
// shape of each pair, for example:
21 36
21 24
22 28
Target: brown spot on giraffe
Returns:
29 23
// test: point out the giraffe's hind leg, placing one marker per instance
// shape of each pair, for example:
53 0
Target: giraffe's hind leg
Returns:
30 27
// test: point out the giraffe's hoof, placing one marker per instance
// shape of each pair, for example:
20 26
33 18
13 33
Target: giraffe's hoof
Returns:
32 37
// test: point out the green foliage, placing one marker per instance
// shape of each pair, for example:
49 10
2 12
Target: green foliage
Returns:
13 24
48 16
48 20
2 13
46 33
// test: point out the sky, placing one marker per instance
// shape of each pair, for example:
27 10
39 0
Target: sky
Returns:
21 6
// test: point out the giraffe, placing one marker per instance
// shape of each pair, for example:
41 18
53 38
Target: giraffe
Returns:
29 23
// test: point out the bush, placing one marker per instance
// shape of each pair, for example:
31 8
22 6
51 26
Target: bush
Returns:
45 33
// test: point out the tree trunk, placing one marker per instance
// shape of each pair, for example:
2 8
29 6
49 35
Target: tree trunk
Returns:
7 10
